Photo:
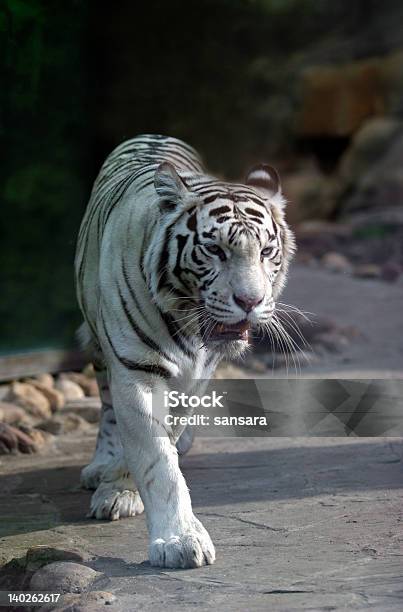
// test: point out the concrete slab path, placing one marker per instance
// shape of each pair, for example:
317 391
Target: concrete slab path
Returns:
298 524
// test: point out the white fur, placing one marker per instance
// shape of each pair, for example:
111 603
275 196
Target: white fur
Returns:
118 272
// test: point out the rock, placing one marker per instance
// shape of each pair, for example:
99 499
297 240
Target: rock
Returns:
367 271
310 194
94 598
391 271
89 371
13 440
12 573
38 437
70 389
88 385
320 237
4 392
313 228
38 556
89 408
336 262
291 361
380 185
296 325
316 246
276 361
332 342
228 370
350 332
312 328
12 414
64 577
66 603
257 365
337 99
55 397
389 216
86 602
64 424
320 332
305 258
369 144
28 397
46 380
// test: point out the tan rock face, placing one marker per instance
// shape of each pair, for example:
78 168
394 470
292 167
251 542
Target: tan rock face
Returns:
46 380
30 398
64 424
369 143
89 371
89 408
391 271
12 440
93 601
228 370
64 577
373 174
337 100
38 556
39 438
12 414
310 195
88 385
55 397
4 392
367 271
332 342
336 262
70 389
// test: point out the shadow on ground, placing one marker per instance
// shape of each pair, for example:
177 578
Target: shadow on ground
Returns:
41 499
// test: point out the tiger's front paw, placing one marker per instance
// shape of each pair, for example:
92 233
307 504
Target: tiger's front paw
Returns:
193 548
113 501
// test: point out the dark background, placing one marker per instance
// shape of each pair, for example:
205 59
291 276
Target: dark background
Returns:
291 82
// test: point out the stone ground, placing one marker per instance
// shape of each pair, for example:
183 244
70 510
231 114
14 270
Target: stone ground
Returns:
298 523
374 308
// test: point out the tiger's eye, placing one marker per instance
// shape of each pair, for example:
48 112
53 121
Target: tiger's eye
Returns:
267 252
214 249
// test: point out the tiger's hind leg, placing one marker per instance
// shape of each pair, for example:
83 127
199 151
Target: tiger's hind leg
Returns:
108 446
115 494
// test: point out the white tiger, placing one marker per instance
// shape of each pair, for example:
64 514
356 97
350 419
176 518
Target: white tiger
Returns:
173 269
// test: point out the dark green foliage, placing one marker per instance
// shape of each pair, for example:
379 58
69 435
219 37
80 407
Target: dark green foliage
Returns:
43 178
221 74
218 73
80 76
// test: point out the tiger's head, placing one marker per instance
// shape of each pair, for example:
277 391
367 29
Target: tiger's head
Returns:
221 254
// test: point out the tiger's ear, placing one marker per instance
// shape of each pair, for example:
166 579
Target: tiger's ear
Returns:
169 185
265 178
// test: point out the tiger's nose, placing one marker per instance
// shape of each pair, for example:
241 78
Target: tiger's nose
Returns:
247 303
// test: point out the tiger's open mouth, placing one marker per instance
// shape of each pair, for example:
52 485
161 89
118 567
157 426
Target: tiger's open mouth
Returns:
237 331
